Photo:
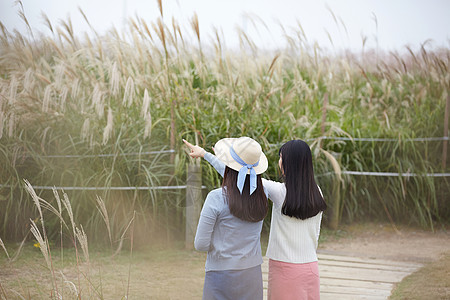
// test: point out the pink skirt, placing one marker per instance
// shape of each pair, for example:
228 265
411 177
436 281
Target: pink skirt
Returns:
293 281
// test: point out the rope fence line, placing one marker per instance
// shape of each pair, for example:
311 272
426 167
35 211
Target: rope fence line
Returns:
337 138
355 173
110 155
388 174
179 187
423 139
113 188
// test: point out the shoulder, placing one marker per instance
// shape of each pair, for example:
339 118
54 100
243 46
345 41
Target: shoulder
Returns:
214 203
215 197
270 184
275 190
216 193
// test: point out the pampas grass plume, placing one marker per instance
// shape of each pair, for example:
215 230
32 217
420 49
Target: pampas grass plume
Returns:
107 133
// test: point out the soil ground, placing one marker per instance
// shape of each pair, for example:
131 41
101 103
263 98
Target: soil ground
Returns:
160 273
387 242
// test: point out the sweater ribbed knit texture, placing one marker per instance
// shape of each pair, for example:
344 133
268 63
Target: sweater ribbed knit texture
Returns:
290 239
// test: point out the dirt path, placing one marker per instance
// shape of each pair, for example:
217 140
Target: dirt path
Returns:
385 241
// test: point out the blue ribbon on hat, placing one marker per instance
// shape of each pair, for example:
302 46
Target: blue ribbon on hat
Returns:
243 172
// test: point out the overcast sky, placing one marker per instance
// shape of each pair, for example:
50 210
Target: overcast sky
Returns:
400 22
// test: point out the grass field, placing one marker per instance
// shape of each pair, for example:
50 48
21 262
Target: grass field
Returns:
170 272
144 89
430 282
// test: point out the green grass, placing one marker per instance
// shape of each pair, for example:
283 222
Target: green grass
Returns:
430 282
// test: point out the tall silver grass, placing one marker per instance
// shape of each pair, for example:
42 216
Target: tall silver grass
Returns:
154 83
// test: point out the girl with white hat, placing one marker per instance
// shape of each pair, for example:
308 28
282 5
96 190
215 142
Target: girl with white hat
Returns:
295 224
231 220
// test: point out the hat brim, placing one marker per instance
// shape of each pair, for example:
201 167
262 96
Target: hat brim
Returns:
222 152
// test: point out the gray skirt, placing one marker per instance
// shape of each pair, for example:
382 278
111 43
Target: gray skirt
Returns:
234 284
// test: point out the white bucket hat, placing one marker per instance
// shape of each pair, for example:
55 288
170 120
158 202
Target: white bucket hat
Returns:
244 155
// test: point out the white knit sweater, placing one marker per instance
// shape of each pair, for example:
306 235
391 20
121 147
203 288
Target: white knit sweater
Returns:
290 240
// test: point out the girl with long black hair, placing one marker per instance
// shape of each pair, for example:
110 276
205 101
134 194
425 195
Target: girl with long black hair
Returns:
295 226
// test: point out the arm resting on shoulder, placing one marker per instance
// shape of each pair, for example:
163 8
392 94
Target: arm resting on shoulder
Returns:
274 190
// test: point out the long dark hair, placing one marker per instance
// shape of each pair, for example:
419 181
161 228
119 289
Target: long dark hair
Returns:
303 199
251 208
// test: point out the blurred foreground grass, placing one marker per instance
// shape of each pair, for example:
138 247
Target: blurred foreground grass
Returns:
153 273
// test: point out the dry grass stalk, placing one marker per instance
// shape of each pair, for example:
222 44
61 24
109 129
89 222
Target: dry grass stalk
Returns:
145 103
42 243
195 26
146 29
107 133
17 294
42 239
87 21
2 290
47 21
68 207
72 286
97 101
104 213
47 98
82 238
85 129
63 98
159 29
2 123
123 236
131 254
160 7
21 14
36 199
11 124
20 247
61 221
13 90
148 125
129 93
59 76
114 80
334 163
4 248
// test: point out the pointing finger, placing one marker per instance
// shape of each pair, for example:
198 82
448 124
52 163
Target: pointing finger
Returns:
188 144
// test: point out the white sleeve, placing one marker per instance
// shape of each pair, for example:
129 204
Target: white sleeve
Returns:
216 163
274 191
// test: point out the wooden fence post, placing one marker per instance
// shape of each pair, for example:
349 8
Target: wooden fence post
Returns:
444 150
324 117
336 200
324 112
336 192
193 202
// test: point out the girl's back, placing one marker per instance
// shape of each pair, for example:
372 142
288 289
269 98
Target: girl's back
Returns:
232 243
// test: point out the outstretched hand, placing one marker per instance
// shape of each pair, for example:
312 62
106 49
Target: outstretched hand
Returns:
195 151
